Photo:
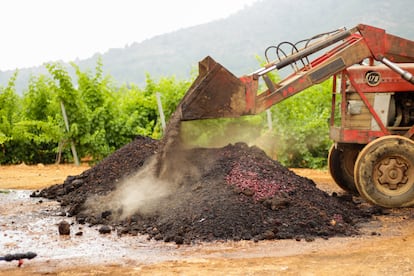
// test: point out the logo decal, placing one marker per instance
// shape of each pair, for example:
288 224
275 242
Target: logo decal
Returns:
373 78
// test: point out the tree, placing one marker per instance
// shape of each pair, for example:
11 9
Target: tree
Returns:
103 117
301 130
9 115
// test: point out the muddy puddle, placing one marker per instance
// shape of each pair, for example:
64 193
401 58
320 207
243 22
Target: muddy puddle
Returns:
31 224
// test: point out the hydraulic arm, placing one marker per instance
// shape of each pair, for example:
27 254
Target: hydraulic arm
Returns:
218 93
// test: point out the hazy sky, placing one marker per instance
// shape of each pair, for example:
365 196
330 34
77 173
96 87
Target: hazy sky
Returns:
38 31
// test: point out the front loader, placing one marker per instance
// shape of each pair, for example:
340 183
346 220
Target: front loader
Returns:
373 91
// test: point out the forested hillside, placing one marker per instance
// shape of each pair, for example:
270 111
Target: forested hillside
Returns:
111 98
237 40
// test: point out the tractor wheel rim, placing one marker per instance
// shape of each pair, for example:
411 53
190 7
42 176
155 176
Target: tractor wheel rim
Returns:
391 175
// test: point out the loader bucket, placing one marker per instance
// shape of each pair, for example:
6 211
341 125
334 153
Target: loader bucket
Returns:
216 93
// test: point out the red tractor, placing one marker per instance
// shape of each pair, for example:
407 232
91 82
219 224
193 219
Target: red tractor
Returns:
373 91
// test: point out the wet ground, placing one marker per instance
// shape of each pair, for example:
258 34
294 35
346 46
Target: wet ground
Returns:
30 224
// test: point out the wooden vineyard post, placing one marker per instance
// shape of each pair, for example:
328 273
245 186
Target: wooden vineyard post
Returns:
162 116
269 119
72 144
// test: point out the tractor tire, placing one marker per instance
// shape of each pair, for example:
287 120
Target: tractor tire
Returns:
384 172
341 160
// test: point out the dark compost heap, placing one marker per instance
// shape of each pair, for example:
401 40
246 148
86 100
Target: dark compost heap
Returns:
237 193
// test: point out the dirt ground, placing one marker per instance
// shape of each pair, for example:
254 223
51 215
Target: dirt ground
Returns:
36 177
384 248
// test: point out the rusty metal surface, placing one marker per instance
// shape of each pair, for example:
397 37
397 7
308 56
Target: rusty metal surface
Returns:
216 93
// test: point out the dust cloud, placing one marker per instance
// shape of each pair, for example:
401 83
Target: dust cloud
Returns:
218 133
153 189
141 192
